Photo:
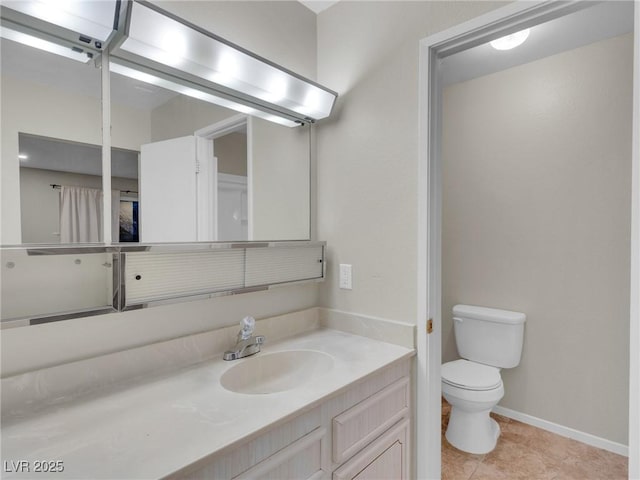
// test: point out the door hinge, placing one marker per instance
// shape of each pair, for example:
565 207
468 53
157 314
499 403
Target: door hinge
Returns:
197 167
430 325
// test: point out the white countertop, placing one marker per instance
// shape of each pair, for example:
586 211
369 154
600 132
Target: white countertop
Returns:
151 428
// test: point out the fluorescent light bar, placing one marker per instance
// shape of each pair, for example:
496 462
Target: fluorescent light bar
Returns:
50 47
92 18
199 94
167 41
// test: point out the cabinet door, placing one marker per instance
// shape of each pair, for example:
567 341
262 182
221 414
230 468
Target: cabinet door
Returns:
302 460
386 458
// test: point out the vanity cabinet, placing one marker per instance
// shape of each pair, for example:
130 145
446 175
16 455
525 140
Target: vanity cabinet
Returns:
360 433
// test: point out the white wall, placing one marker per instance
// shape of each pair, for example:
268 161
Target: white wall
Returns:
368 150
284 32
536 218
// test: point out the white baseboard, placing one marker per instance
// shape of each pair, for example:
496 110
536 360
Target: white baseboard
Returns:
563 431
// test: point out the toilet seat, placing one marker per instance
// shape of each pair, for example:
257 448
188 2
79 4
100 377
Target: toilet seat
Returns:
471 376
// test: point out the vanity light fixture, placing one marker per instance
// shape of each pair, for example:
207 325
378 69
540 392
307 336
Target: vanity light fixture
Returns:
74 53
162 42
93 20
136 74
510 41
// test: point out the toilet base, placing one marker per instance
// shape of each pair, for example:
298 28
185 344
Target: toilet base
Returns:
472 432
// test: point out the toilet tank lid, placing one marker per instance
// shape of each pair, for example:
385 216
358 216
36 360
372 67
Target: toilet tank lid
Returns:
489 314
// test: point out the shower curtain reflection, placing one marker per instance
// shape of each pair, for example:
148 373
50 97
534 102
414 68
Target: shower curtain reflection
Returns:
80 215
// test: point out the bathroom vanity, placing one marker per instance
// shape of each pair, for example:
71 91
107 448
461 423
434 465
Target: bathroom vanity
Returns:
321 404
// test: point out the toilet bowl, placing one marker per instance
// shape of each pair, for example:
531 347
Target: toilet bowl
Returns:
472 390
487 339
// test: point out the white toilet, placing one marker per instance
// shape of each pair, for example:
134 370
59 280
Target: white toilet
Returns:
488 340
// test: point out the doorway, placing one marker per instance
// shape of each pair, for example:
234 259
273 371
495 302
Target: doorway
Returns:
463 37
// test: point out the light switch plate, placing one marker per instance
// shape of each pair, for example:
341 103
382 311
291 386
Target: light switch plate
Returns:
345 276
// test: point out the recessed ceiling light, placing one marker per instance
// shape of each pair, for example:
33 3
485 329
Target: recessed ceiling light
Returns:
510 41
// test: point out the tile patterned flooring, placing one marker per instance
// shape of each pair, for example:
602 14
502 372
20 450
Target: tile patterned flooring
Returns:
529 453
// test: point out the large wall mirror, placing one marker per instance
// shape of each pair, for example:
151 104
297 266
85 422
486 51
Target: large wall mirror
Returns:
205 172
183 169
192 156
51 135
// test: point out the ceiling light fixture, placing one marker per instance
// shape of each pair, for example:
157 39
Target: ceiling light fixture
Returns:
510 41
214 64
35 42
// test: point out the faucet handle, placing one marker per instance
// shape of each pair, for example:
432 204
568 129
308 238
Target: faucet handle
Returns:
247 325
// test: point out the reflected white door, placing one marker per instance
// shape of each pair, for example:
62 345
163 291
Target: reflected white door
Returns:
232 207
168 192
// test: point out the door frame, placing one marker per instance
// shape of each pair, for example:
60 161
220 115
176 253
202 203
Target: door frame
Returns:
505 20
207 178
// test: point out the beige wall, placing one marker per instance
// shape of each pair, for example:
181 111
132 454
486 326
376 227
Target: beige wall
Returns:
284 32
231 152
279 176
183 115
368 150
536 218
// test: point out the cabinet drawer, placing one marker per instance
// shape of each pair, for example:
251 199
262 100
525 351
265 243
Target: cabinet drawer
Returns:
300 460
358 426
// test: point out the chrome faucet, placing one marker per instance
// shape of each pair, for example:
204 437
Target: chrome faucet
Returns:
246 344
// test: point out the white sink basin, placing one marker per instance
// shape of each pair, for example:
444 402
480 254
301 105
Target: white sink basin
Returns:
276 372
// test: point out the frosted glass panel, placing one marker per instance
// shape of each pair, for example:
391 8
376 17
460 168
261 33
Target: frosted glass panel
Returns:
268 266
157 276
153 276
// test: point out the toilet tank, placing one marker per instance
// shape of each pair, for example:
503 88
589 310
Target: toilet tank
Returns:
488 335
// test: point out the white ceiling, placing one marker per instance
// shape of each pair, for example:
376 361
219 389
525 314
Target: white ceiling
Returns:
73 157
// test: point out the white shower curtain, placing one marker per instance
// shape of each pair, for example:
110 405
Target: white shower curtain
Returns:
80 215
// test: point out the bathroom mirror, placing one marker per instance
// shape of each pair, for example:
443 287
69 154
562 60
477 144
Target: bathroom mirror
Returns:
258 183
205 172
183 170
51 124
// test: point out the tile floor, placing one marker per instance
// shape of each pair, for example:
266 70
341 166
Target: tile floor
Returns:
526 452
